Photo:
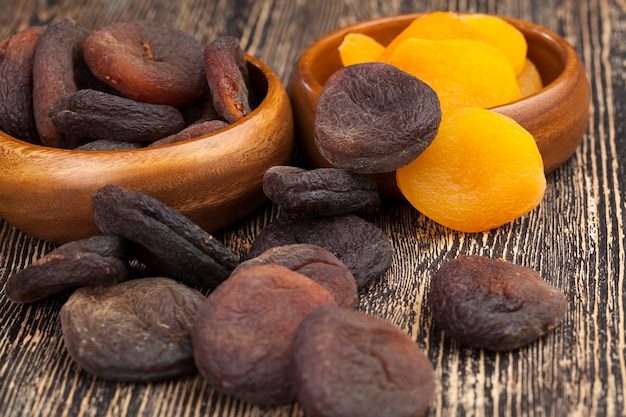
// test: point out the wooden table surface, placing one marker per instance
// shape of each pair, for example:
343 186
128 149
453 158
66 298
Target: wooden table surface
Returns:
575 238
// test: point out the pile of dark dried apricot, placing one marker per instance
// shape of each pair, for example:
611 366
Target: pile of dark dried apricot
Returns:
123 86
261 332
282 323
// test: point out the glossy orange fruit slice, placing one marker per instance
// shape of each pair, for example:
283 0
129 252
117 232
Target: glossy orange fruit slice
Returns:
482 171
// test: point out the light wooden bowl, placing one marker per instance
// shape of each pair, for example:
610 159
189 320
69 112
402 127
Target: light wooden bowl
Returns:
556 116
215 180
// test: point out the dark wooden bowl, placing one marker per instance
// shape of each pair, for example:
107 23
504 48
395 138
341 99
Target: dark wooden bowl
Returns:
556 116
215 180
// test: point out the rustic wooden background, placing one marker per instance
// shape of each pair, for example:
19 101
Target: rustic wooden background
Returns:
575 238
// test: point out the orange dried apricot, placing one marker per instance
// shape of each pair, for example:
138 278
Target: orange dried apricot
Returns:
357 48
529 80
481 171
463 72
434 26
501 34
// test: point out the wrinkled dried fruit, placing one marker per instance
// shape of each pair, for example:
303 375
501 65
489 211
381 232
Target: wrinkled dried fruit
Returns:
357 48
195 130
200 112
360 245
314 262
180 248
493 304
16 91
433 26
482 170
98 260
500 34
108 145
139 330
347 363
97 115
58 53
321 191
529 80
374 118
243 332
463 72
148 62
227 76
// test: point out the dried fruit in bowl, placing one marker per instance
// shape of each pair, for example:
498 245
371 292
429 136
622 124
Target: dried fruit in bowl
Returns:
463 72
433 26
501 34
357 48
470 60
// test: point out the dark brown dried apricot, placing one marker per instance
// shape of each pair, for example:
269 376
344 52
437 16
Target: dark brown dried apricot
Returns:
58 53
348 363
493 304
360 245
98 260
178 247
16 95
195 130
199 112
108 145
374 118
243 332
138 330
227 76
97 115
321 191
314 262
148 62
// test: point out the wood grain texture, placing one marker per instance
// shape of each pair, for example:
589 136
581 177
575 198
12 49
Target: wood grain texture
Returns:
576 238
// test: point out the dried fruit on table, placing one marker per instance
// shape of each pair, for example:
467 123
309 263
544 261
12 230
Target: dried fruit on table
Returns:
16 95
243 332
499 33
98 260
148 62
463 72
348 363
228 79
138 331
433 26
314 262
360 245
374 118
91 114
175 245
56 57
493 304
482 170
529 80
320 192
357 48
